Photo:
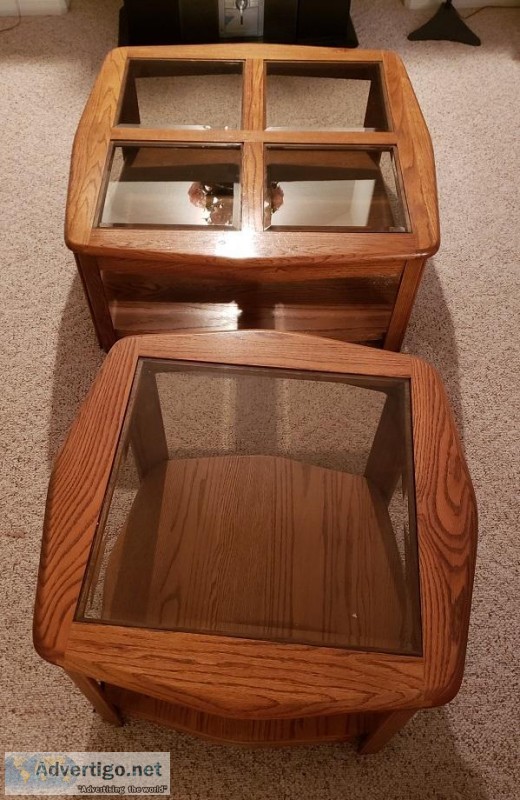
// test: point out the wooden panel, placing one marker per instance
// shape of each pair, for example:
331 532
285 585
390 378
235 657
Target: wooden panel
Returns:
355 309
243 678
252 188
415 156
163 287
276 349
447 533
276 52
271 732
362 323
253 95
235 250
76 491
244 250
133 318
89 153
139 271
143 134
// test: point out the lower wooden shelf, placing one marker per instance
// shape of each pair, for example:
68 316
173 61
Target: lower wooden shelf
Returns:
250 733
355 309
363 324
262 547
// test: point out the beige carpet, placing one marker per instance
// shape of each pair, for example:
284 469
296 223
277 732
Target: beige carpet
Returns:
466 322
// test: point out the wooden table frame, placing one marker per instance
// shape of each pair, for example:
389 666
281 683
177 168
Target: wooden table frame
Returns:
127 272
238 689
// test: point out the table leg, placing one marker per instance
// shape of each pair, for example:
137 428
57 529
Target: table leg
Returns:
383 731
94 693
404 301
97 300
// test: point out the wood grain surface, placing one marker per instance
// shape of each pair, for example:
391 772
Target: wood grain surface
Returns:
271 732
244 678
262 547
447 526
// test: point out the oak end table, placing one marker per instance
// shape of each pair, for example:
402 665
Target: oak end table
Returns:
260 538
240 186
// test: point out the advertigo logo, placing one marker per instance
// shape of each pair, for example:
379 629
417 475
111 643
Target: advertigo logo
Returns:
87 773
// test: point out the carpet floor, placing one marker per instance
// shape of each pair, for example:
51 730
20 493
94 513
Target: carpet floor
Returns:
465 322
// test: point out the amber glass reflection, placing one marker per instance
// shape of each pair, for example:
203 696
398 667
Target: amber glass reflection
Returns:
261 503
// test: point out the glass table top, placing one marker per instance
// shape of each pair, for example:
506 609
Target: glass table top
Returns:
306 188
173 186
325 96
162 93
206 123
261 503
333 188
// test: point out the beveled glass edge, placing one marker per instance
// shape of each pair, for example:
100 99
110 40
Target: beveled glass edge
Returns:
113 144
399 185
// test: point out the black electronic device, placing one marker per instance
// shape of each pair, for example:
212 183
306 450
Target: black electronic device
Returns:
156 22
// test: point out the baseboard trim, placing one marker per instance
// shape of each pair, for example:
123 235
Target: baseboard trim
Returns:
31 8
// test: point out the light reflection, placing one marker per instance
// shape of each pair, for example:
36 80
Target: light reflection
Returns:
236 244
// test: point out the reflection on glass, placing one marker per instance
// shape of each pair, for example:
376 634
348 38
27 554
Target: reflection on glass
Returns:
241 18
182 94
261 503
332 188
326 96
177 186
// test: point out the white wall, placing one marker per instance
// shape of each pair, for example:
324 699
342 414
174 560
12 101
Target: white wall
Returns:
10 8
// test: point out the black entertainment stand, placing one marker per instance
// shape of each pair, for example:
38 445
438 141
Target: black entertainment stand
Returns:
314 22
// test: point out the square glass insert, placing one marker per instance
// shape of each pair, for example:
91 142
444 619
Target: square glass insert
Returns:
333 189
325 96
182 94
261 503
181 186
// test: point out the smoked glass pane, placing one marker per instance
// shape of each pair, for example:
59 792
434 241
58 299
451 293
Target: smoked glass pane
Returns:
261 503
182 94
326 96
333 188
173 186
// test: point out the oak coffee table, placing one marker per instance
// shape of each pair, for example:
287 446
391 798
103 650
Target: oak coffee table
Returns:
238 186
261 538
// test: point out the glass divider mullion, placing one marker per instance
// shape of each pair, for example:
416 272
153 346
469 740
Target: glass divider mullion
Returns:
253 95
